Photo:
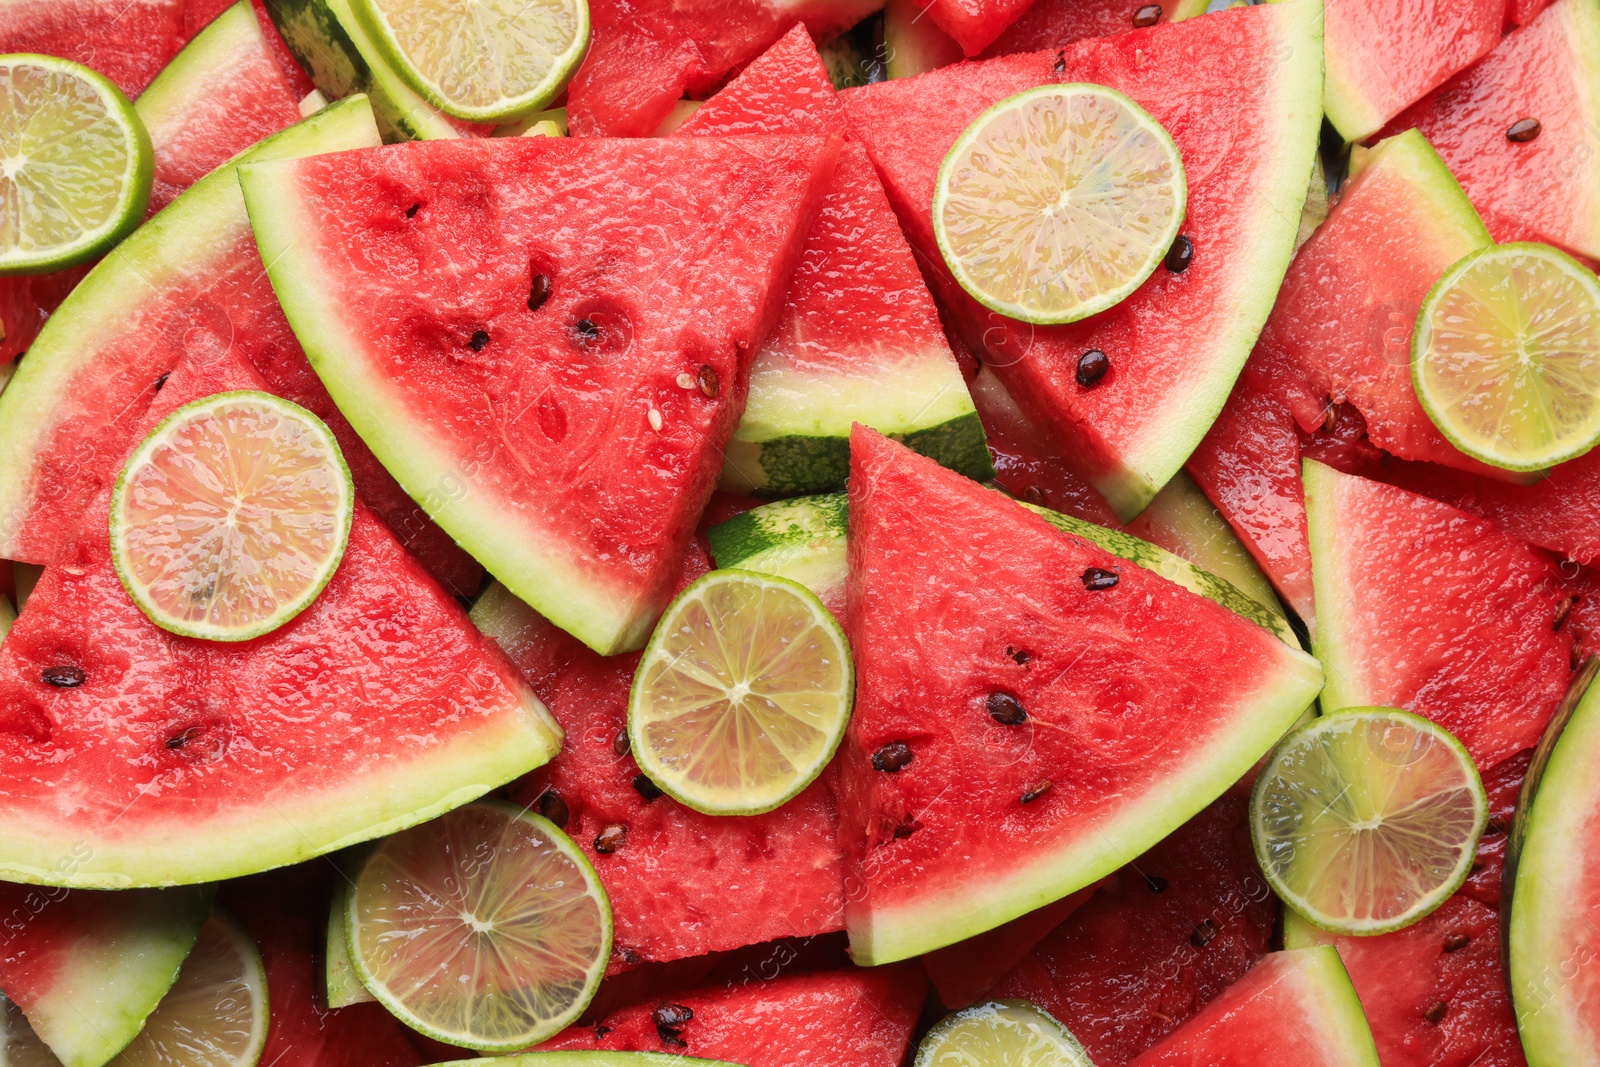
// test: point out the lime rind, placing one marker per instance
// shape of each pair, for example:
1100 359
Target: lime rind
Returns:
477 858
400 28
667 649
1277 847
122 553
133 179
1578 404
1016 1033
1146 198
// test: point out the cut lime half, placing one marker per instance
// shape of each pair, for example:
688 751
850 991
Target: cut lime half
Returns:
1505 356
231 516
742 694
480 60
485 928
1367 819
75 165
1058 202
1001 1033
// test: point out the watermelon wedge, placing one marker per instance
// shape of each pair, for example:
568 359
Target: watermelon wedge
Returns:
128 41
1050 24
1166 935
1292 1007
1247 130
1548 70
851 1018
930 816
565 439
681 883
1424 607
198 14
86 968
973 24
858 339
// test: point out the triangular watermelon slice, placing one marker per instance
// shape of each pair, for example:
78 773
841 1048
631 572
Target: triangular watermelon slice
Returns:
1247 130
859 339
1293 1007
973 24
1424 607
226 759
1144 702
1548 70
198 14
578 320
854 1018
128 41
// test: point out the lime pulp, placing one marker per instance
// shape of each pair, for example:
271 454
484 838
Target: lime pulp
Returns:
1001 1033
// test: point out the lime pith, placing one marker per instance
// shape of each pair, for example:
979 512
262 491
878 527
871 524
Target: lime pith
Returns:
1057 203
1001 1033
1367 819
742 694
1505 357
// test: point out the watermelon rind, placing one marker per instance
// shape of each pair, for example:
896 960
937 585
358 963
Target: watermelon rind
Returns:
8 615
595 1059
233 37
1550 941
1324 1003
803 540
341 984
1344 687
193 234
914 44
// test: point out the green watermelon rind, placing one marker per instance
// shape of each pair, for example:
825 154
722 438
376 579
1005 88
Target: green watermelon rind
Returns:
1344 689
341 984
230 37
816 463
1342 1022
198 230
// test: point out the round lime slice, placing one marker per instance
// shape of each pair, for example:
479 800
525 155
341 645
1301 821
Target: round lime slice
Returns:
480 60
75 165
1367 819
1505 356
1001 1033
1058 202
485 928
742 694
231 516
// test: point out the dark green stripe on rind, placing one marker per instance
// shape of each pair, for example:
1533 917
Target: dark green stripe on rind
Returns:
805 463
782 524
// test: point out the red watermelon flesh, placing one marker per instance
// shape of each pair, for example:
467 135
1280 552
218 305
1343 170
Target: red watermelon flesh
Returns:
784 90
682 884
1548 70
1170 932
1141 697
1247 131
20 316
197 14
1521 12
310 737
1050 24
965 972
973 24
851 1018
128 41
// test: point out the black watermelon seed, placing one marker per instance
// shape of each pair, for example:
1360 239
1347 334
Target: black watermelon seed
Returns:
65 677
600 1031
1435 1012
1180 255
586 331
893 757
1092 366
1035 791
161 381
181 739
1523 130
1456 942
1006 709
1156 883
646 788
1148 15
1563 609
670 1019
1033 495
480 341
1060 66
1203 933
1018 654
411 212
552 807
539 291
629 955
610 839
707 380
906 829
620 744
1096 579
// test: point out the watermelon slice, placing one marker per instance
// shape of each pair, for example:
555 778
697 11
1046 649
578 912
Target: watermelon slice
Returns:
681 883
1247 130
86 968
1548 70
1168 933
1293 1007
565 439
198 14
128 41
973 24
858 339
1424 607
850 1018
930 816
1053 23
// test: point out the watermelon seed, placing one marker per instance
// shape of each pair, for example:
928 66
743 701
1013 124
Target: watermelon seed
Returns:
892 758
178 740
162 381
1006 709
620 744
1092 366
1156 883
906 829
1436 1012
611 838
1456 942
1096 579
1033 495
1035 791
655 419
1493 827
686 380
1523 130
646 788
1563 609
707 378
539 292
1060 66
1203 933
67 677
586 332
411 212
1020 655
1180 255
552 807
1148 15
670 1020
480 341
1577 656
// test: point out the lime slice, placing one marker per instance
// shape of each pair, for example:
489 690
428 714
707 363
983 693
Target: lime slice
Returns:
75 165
1505 356
742 694
231 516
485 928
480 60
1058 202
1001 1033
1367 819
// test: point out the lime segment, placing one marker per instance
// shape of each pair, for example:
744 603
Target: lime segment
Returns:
1367 819
1505 356
480 60
231 516
75 165
1001 1033
1058 202
485 928
742 695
